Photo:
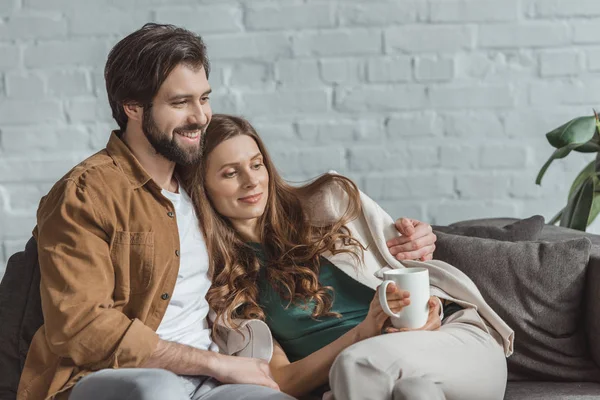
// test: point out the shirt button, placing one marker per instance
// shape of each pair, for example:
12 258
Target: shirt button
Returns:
177 253
165 296
171 214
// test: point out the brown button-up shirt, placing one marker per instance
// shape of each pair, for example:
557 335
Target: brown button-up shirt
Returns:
108 251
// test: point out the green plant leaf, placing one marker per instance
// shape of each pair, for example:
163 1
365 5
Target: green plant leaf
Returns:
595 210
578 130
585 173
558 153
589 147
577 211
557 217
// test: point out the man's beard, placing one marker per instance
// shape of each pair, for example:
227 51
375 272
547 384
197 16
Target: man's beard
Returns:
168 148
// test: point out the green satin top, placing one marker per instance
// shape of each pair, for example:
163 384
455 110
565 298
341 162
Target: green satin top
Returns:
292 325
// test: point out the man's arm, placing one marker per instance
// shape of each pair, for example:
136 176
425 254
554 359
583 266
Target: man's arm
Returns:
77 285
187 360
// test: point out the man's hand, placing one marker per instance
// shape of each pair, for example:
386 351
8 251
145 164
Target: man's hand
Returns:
433 321
230 369
416 243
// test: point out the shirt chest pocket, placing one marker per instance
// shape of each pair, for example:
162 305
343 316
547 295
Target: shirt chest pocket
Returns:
133 258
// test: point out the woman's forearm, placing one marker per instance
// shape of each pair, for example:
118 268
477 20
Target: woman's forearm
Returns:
303 376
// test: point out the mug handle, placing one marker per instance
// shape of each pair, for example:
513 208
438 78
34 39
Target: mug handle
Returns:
383 299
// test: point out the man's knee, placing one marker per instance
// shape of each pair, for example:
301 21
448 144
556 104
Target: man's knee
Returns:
130 384
416 388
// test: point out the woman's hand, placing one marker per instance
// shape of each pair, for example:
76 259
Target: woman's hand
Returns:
376 318
433 321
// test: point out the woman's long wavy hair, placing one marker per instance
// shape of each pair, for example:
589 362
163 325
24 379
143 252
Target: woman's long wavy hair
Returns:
292 245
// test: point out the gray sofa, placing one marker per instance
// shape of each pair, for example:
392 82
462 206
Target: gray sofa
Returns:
532 388
20 317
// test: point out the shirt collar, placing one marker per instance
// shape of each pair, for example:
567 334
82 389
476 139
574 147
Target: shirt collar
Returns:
126 161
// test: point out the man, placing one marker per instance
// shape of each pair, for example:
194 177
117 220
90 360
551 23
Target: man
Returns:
124 267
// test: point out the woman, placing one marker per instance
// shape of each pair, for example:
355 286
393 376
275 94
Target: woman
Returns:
302 259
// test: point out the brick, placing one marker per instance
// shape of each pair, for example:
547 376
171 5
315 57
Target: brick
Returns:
404 208
17 225
374 14
12 246
218 76
587 31
276 133
298 73
434 69
342 71
72 52
482 186
7 7
524 187
17 112
375 98
558 8
429 38
538 34
52 5
224 101
558 93
22 197
560 63
447 212
74 83
338 43
488 96
285 102
535 123
29 138
478 65
106 22
88 110
336 131
473 125
473 11
422 157
25 86
593 59
249 46
249 74
289 17
414 125
459 157
379 158
203 19
389 69
99 133
11 57
504 156
33 27
415 186
310 161
38 169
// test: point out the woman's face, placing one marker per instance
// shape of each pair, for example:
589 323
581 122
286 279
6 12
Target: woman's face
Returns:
237 181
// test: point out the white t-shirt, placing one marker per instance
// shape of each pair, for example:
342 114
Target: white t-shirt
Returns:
185 320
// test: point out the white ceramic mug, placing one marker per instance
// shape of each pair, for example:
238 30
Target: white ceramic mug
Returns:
415 281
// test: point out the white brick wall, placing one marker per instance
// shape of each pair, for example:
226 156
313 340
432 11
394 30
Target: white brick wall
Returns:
437 108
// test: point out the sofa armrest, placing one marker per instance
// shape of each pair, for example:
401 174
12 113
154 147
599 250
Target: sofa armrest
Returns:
592 304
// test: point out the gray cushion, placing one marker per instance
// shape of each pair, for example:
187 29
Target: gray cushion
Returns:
519 230
537 288
21 315
552 391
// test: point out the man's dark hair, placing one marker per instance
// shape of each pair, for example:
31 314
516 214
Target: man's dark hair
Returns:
139 64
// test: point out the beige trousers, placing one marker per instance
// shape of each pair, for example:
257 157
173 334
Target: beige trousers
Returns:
459 361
